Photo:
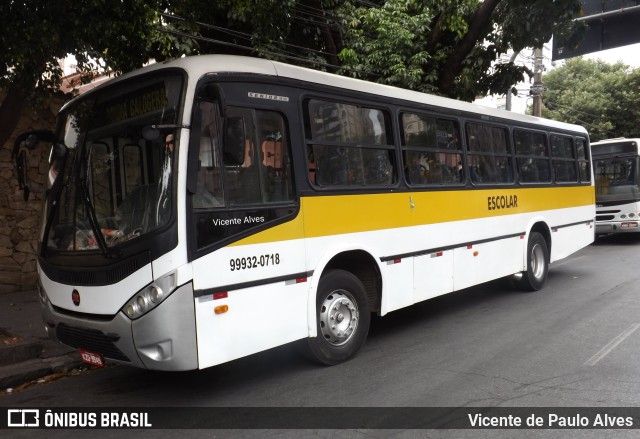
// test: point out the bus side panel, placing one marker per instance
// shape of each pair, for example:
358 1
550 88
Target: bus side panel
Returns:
397 285
478 263
258 318
433 275
568 239
265 296
397 277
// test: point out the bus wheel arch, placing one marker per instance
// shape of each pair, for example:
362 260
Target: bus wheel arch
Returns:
537 258
362 265
347 292
543 229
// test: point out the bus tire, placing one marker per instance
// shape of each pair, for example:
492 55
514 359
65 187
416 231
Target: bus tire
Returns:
342 318
534 278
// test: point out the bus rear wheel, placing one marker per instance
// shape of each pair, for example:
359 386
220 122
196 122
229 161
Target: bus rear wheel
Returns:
342 318
534 278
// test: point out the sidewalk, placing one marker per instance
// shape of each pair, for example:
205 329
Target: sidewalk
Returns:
26 351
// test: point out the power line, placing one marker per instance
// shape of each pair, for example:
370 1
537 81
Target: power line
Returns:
247 36
266 52
595 116
313 12
368 4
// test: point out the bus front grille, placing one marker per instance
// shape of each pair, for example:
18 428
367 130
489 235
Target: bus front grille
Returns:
604 217
90 339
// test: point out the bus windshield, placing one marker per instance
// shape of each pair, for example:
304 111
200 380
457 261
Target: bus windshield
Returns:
113 181
616 178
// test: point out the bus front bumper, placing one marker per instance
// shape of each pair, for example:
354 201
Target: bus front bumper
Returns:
163 339
609 227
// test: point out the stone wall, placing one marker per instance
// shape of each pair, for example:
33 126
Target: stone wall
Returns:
20 220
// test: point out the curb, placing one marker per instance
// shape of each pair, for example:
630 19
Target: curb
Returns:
17 374
19 352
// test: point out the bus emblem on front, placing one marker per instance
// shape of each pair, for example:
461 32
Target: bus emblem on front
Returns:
75 297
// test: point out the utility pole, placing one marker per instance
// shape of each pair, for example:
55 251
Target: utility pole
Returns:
536 90
511 60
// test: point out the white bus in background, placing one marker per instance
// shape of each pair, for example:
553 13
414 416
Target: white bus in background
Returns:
617 179
212 207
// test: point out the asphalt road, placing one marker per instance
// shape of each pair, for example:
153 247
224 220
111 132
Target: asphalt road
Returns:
575 343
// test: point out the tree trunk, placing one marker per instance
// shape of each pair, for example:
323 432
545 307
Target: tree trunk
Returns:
10 111
331 48
478 25
435 34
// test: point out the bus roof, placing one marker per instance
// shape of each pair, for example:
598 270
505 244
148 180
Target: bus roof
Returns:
200 65
615 140
611 147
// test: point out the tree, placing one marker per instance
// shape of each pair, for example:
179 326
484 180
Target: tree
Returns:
450 47
303 32
447 47
441 46
121 35
604 98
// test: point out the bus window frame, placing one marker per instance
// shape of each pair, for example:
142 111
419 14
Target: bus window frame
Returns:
437 116
588 159
509 155
390 130
561 159
220 97
547 157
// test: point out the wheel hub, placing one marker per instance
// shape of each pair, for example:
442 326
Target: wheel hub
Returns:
339 317
537 261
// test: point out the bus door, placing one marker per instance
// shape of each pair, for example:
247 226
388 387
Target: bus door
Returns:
247 236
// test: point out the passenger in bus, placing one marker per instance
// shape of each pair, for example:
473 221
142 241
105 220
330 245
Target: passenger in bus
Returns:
474 174
460 171
414 170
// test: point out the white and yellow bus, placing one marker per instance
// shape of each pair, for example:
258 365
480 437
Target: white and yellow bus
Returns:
617 181
213 207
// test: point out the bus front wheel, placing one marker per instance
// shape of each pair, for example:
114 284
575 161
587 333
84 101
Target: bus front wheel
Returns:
342 318
537 263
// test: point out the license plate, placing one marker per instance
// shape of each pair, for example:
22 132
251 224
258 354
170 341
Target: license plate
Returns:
92 358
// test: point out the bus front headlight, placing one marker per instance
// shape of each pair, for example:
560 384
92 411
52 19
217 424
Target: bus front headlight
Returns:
42 294
150 296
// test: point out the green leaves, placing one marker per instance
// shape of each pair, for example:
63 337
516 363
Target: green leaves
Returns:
604 98
388 42
443 46
448 47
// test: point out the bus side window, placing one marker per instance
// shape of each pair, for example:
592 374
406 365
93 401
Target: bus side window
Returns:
209 192
264 175
532 156
489 149
431 150
584 168
563 159
349 145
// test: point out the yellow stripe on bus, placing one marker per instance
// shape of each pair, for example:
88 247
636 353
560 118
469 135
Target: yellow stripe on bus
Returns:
340 214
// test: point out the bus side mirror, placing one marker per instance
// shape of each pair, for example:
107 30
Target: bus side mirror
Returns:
58 152
150 133
25 142
234 141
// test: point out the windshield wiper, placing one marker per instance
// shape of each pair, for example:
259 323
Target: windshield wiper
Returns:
93 221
